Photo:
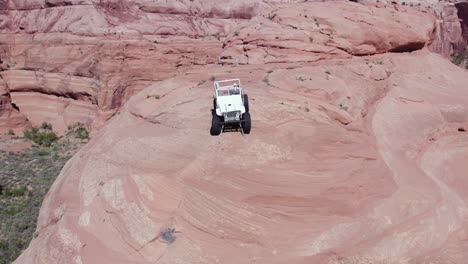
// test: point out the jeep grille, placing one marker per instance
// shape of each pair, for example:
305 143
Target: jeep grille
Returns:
233 116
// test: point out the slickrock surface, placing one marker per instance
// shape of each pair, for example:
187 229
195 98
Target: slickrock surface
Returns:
389 187
357 152
84 59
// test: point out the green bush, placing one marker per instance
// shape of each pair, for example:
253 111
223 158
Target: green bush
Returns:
19 191
15 192
457 59
82 133
46 126
43 136
46 139
11 132
36 168
79 131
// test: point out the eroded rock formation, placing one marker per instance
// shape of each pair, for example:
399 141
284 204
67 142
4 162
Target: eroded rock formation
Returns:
99 53
449 39
462 11
307 33
356 155
85 58
10 117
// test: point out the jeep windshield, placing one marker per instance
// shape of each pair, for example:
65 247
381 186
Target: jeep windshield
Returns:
227 92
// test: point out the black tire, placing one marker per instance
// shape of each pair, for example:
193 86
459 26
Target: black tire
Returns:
214 103
247 123
215 125
246 103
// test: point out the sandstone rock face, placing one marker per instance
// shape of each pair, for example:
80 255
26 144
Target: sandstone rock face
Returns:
462 8
449 38
305 33
10 118
356 155
85 58
116 48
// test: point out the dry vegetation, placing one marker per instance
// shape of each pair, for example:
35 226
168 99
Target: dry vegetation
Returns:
25 178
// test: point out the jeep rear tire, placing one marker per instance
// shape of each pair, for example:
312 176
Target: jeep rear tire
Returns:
246 103
215 125
247 123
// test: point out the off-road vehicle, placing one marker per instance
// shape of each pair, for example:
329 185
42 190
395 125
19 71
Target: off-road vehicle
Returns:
230 107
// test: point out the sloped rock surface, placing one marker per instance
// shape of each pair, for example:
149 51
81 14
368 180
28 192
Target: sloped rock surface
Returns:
302 188
124 46
356 154
114 48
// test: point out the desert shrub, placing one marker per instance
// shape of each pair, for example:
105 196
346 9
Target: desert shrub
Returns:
25 178
31 133
82 133
46 126
78 130
43 136
458 58
17 192
19 207
39 152
11 132
46 139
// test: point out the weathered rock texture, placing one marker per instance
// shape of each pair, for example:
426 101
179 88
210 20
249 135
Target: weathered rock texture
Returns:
10 118
450 38
305 33
462 8
357 152
85 58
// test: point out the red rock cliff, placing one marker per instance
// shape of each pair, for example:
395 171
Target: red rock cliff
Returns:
357 152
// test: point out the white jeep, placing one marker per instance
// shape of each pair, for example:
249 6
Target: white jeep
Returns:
230 107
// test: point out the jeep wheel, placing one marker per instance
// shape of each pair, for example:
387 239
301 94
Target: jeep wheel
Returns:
215 125
214 103
247 123
246 102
